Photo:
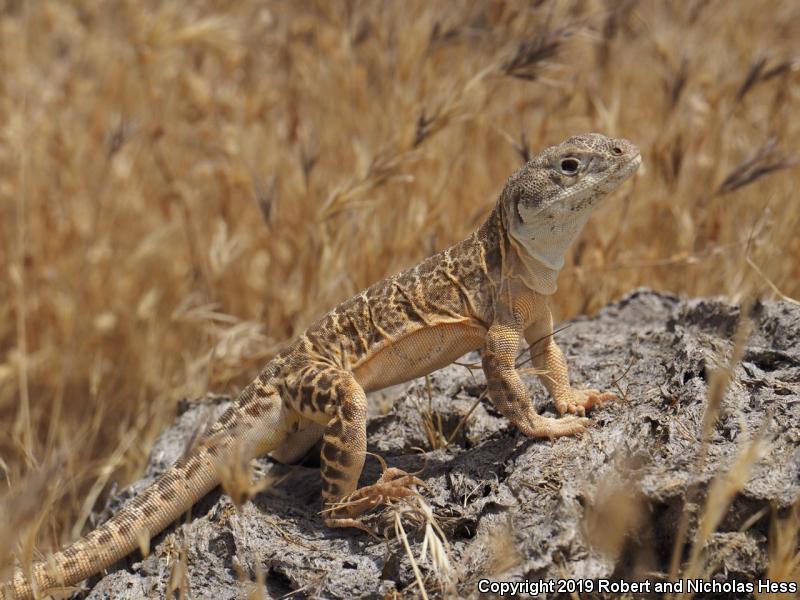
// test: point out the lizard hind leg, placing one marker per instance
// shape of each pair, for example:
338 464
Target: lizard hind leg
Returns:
340 398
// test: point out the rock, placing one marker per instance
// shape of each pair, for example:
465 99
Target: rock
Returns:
605 505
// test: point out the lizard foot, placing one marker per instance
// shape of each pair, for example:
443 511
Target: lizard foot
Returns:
548 427
393 483
583 400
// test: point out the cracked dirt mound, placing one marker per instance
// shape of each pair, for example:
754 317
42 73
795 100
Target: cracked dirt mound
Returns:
514 508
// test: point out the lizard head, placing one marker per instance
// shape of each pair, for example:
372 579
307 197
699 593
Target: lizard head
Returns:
546 203
571 177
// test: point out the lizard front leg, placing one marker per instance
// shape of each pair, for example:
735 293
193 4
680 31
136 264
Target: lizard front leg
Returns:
509 394
547 358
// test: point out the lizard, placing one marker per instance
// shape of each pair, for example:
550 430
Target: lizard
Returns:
489 291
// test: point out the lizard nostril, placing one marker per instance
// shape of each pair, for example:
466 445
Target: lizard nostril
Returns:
616 150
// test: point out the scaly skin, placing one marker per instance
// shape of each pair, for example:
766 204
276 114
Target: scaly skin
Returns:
488 291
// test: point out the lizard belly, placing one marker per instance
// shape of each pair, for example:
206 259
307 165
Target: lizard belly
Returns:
417 354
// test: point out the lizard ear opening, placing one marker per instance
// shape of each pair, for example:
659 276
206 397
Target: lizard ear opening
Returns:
525 206
519 207
515 204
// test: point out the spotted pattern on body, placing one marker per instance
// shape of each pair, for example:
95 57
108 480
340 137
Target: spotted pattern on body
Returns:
489 291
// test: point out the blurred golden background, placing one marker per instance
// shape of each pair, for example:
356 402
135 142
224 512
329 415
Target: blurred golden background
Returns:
184 187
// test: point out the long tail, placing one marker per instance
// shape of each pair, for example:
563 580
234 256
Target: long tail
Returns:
254 425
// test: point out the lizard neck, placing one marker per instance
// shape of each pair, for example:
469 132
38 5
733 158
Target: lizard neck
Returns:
537 275
527 253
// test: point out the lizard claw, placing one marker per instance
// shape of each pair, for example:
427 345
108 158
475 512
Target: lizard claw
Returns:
583 400
393 484
547 427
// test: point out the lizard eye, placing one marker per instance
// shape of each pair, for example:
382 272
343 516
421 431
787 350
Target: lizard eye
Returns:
569 166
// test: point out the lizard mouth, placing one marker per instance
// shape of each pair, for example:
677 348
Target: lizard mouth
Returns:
629 168
623 172
634 163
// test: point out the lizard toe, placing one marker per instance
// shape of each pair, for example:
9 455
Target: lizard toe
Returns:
546 427
585 400
393 484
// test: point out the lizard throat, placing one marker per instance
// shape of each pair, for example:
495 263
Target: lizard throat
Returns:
541 245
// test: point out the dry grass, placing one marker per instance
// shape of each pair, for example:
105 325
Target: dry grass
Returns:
184 187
